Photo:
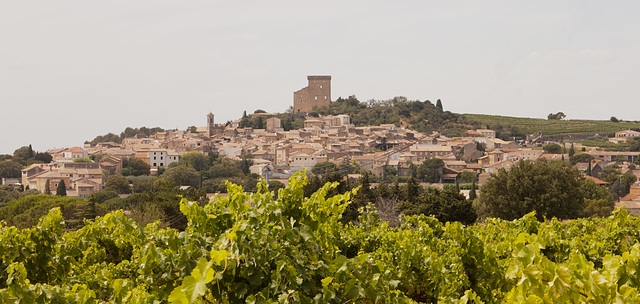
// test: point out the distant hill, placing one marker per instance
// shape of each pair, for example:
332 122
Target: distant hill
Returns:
509 127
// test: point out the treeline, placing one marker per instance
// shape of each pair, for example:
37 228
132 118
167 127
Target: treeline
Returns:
128 132
153 199
417 115
11 165
550 188
288 120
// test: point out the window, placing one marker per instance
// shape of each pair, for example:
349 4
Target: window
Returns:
161 157
321 87
154 164
316 97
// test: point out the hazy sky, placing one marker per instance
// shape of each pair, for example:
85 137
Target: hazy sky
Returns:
71 70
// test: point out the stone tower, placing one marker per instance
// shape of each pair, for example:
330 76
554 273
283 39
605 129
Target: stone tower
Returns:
210 124
317 93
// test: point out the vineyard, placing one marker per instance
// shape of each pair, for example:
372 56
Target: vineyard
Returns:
253 248
554 126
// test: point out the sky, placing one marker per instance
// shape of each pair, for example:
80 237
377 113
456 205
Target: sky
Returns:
72 70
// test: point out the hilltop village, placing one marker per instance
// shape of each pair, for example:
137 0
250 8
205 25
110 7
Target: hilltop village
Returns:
277 154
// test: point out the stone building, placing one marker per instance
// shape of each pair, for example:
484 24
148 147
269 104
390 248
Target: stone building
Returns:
317 93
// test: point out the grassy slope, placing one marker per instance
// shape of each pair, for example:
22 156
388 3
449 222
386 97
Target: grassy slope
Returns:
554 127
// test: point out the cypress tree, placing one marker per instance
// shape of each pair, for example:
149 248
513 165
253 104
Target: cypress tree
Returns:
47 188
589 169
572 151
62 189
439 105
472 193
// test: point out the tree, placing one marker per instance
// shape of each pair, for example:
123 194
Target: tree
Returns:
614 119
617 190
47 187
553 149
598 200
275 185
472 192
324 168
445 205
43 157
439 105
61 190
30 153
412 190
468 177
22 154
182 176
620 183
430 170
558 116
619 159
552 189
102 196
138 167
196 160
610 174
223 167
580 158
572 151
10 169
635 144
118 184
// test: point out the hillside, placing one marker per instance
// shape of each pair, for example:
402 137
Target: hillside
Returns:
417 115
520 126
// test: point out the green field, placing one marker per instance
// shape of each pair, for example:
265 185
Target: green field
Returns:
552 127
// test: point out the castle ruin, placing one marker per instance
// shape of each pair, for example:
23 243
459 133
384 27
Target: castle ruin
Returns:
317 93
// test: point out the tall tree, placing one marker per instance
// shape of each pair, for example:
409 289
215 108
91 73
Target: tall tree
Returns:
552 189
138 167
61 190
182 176
118 184
9 168
553 149
430 170
47 187
30 153
439 105
445 205
44 157
472 192
572 151
196 160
